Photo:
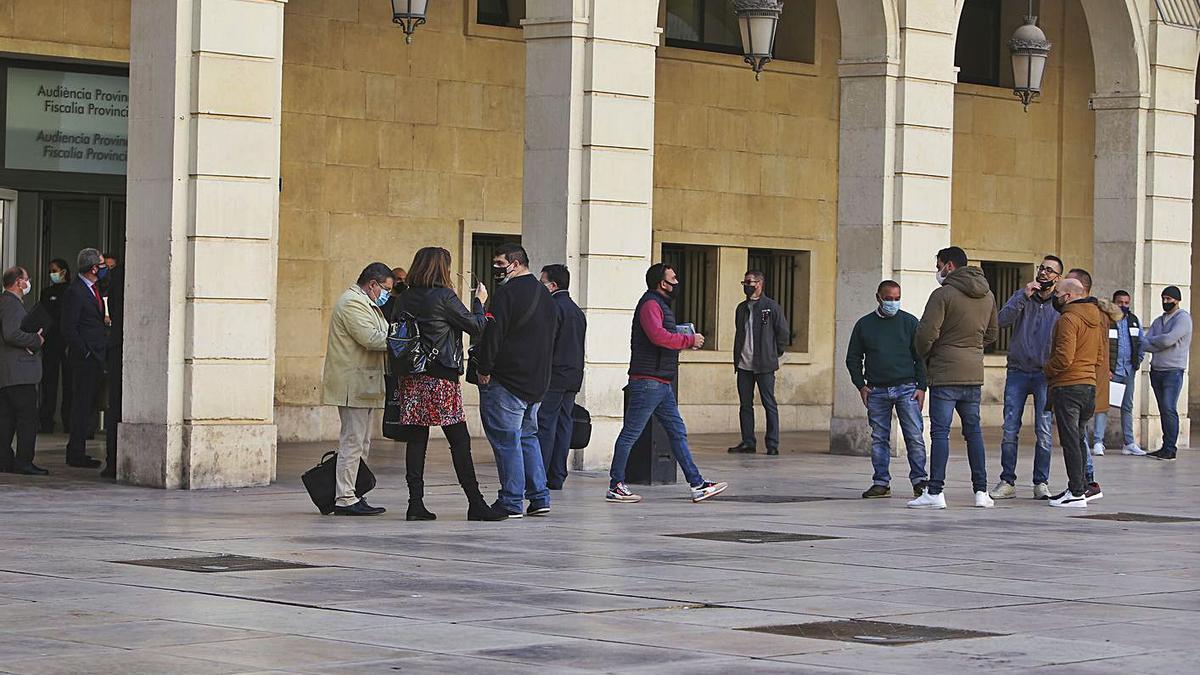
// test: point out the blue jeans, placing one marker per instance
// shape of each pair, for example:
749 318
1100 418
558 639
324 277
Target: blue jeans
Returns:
646 398
556 421
1167 385
943 403
880 403
1018 387
1126 416
511 427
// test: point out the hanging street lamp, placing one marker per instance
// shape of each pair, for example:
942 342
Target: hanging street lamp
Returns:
408 14
1029 48
757 21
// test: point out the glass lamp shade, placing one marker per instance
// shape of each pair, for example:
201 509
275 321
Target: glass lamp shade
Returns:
409 14
757 23
1029 52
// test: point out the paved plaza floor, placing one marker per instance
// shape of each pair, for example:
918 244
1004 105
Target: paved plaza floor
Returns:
782 568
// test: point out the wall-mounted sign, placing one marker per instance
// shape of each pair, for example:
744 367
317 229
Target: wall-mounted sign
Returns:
60 121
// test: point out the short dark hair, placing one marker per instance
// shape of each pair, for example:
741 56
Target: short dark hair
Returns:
953 254
1050 256
757 274
62 265
377 272
559 274
1083 277
14 274
1121 294
886 283
656 273
513 253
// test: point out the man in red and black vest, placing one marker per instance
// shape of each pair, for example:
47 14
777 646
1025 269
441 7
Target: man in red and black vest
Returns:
655 344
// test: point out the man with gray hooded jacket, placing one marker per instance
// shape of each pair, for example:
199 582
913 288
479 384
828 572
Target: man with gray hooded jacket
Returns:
959 320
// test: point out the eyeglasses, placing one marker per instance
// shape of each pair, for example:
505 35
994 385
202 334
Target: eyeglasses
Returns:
1047 270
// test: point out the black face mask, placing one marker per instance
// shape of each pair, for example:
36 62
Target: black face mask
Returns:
748 289
1058 303
500 273
1168 307
674 289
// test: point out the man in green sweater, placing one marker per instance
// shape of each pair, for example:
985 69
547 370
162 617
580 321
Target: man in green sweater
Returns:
889 375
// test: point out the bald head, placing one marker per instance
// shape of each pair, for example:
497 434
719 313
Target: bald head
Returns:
1070 290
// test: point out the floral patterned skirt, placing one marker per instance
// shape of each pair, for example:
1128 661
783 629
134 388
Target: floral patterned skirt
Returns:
427 401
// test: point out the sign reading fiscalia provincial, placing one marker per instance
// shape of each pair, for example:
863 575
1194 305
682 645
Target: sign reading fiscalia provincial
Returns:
59 121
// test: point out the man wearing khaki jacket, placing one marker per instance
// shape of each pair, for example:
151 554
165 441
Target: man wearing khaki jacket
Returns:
1078 358
959 320
353 379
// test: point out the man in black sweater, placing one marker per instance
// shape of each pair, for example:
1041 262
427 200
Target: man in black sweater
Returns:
556 417
514 374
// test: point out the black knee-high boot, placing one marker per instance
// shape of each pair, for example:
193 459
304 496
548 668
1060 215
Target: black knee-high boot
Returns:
464 469
414 474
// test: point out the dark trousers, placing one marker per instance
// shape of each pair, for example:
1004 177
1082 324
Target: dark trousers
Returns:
18 417
556 421
54 365
112 416
460 454
746 380
1073 407
87 375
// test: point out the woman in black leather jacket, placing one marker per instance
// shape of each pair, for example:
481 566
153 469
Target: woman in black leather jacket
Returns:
434 398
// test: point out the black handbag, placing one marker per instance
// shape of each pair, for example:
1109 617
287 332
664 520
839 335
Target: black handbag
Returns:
581 430
392 410
321 482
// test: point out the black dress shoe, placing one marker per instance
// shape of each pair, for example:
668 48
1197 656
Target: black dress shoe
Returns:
109 471
773 451
29 470
358 508
742 448
83 462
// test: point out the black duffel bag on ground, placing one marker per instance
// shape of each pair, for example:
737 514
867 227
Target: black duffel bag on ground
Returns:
581 431
321 482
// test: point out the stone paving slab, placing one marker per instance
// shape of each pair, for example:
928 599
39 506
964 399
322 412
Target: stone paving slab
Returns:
599 587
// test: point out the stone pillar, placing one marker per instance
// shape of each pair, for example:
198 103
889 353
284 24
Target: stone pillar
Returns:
894 189
588 177
203 189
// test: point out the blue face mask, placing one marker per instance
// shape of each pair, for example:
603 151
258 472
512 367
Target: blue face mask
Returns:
384 294
889 307
101 272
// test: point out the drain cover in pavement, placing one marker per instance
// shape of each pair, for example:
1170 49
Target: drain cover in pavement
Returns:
217 563
1123 517
752 536
870 632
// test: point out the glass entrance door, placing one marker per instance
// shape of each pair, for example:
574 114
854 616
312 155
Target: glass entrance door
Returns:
8 228
71 223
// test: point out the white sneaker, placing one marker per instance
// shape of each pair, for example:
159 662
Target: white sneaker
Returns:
1004 491
1098 450
707 489
928 501
622 495
1065 499
1041 491
1133 449
983 501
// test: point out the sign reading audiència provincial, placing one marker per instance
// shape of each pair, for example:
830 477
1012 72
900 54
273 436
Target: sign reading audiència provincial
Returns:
62 121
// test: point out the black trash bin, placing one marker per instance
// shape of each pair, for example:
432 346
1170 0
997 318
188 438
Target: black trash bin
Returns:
650 460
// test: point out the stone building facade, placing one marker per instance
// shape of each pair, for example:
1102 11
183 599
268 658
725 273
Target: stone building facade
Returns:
276 147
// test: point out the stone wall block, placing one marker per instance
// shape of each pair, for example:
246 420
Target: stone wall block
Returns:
228 330
236 86
616 175
229 390
221 268
615 121
240 27
229 147
235 208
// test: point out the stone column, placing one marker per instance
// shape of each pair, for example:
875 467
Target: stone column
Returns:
894 190
198 386
589 176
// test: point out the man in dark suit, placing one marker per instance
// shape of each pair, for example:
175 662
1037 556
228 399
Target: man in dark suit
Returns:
556 416
20 373
116 335
83 326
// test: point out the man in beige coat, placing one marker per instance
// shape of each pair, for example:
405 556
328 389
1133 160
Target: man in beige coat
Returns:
353 380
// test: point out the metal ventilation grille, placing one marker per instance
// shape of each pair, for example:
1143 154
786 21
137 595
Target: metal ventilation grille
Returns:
1182 13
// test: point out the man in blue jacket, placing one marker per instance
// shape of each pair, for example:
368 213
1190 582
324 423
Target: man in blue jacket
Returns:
1031 314
556 416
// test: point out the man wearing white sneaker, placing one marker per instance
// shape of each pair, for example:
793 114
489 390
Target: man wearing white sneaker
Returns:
1124 359
959 320
1078 350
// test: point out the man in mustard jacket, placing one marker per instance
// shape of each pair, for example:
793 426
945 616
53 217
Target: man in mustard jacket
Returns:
353 378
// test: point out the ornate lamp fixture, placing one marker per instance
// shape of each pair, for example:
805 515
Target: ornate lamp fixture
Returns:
409 14
758 20
1029 48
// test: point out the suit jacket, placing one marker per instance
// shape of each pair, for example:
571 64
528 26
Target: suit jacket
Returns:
82 323
20 362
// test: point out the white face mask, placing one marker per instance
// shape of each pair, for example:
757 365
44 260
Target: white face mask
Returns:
25 287
941 276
